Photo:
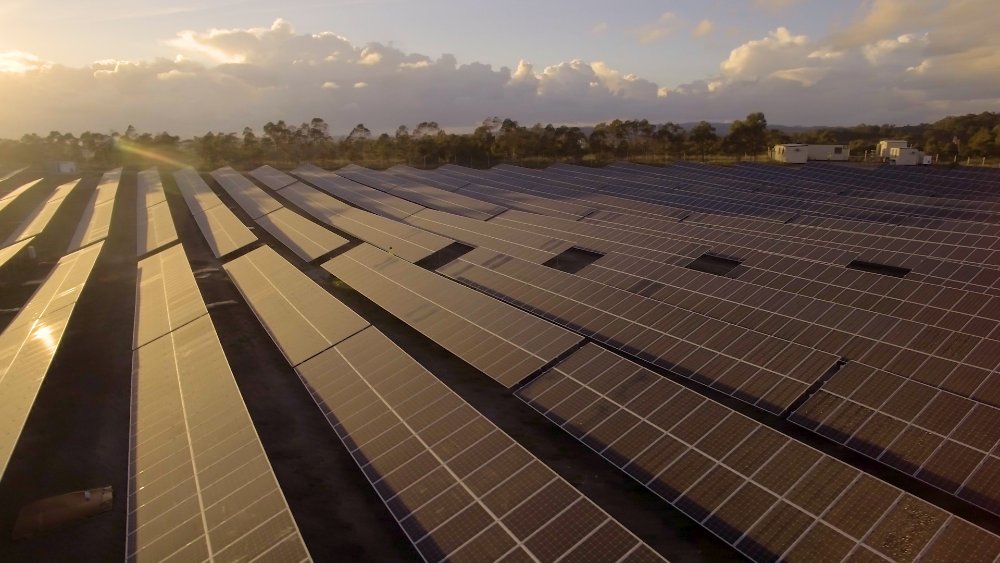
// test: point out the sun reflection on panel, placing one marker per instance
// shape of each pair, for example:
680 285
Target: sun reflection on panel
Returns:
45 334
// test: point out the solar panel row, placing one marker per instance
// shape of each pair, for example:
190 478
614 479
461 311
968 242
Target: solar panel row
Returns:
154 226
938 437
223 231
501 341
932 252
522 244
39 219
769 496
367 198
30 341
12 196
96 222
422 194
402 240
200 484
460 488
302 318
307 239
762 370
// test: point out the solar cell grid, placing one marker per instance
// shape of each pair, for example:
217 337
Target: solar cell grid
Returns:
223 231
403 240
768 496
342 186
167 296
155 228
941 438
503 342
255 201
272 177
305 238
422 194
459 487
526 246
301 317
568 300
199 480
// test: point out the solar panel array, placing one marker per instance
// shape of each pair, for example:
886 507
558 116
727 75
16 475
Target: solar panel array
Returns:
769 496
499 340
459 487
200 484
302 236
728 337
409 242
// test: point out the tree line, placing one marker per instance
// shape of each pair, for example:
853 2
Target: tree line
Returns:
494 140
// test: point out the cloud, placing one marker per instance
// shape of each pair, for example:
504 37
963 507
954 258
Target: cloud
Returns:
230 78
659 29
703 28
19 62
600 28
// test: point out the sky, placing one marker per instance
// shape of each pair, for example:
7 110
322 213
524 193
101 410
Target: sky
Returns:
224 64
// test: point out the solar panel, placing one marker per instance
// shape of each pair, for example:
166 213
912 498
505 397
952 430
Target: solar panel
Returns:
150 189
96 221
155 228
255 201
460 488
197 194
403 240
770 497
501 341
366 198
938 437
301 317
167 296
420 193
305 238
200 484
7 253
223 231
525 245
9 198
35 223
762 370
30 341
272 177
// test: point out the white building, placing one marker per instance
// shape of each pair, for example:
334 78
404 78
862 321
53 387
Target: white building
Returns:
797 153
828 152
885 146
791 153
905 156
